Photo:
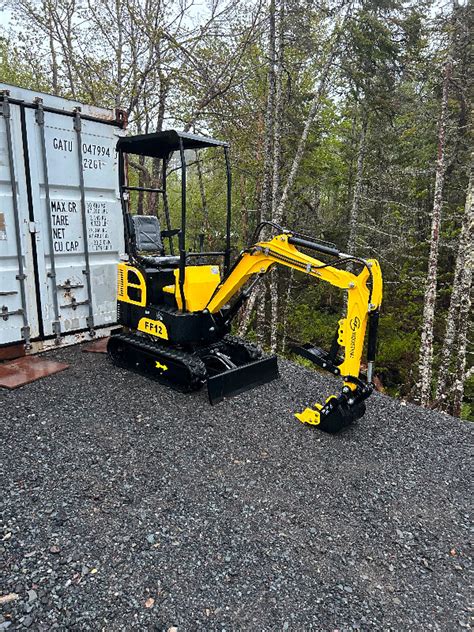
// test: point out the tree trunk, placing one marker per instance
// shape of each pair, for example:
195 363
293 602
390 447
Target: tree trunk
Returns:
425 363
261 316
464 315
354 213
54 58
156 177
289 290
465 306
276 209
118 55
313 111
205 209
461 287
245 322
265 201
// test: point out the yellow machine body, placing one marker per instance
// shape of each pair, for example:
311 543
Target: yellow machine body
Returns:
200 282
206 293
177 317
131 285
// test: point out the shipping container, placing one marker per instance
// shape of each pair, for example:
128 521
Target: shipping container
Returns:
61 228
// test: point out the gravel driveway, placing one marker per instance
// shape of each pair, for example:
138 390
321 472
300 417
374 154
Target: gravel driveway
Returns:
129 506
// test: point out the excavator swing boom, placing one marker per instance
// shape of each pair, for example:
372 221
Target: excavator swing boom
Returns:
364 296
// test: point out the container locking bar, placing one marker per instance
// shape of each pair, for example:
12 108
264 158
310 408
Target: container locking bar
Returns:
87 271
145 189
21 277
5 313
52 260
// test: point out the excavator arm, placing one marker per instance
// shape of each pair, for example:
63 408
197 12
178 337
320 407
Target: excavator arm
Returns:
364 296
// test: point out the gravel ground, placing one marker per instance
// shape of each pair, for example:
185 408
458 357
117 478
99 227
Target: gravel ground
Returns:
128 506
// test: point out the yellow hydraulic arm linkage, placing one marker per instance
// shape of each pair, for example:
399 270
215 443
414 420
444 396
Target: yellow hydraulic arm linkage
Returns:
364 296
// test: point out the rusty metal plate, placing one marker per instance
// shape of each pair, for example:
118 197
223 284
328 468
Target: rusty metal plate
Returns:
12 351
25 370
98 346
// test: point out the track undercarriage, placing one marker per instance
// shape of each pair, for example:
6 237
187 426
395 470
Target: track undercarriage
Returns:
228 367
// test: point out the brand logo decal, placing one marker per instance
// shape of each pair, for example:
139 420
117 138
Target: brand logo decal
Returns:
355 323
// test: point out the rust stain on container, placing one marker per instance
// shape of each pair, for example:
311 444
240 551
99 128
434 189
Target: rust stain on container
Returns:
3 228
28 369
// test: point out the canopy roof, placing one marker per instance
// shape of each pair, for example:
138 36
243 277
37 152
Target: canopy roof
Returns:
161 144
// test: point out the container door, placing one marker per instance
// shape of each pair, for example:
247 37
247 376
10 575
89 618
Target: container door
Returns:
18 304
74 174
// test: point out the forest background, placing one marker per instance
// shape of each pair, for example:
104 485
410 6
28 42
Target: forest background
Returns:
348 121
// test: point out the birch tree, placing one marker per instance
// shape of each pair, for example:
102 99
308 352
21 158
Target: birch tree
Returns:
277 215
279 203
460 296
356 195
258 296
313 112
425 362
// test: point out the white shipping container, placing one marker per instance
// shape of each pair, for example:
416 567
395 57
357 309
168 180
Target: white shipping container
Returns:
61 227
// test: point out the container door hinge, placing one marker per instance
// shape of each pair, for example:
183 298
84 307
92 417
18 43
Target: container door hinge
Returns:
25 334
57 329
77 120
90 324
39 114
5 107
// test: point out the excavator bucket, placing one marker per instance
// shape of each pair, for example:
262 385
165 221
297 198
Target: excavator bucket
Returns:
242 378
338 412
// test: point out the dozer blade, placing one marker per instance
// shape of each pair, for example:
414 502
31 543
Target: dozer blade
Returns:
242 378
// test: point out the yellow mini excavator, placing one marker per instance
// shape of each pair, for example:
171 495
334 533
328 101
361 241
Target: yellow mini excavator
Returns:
177 311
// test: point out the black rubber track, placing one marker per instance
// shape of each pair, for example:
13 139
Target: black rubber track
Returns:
188 370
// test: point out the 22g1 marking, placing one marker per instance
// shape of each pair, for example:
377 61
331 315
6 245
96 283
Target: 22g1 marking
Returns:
91 163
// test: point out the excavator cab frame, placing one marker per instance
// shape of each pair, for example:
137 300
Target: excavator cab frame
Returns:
161 145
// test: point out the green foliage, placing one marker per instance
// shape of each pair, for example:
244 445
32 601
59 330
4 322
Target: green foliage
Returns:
14 70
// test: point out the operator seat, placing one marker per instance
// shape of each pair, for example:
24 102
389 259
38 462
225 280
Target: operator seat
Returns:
148 239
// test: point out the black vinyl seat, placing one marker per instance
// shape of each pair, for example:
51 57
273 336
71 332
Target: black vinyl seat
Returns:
148 239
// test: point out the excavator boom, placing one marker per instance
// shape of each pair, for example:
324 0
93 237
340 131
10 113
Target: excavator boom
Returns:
364 296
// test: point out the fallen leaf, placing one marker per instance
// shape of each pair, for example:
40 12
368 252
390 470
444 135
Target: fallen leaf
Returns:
8 598
452 552
93 571
149 602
